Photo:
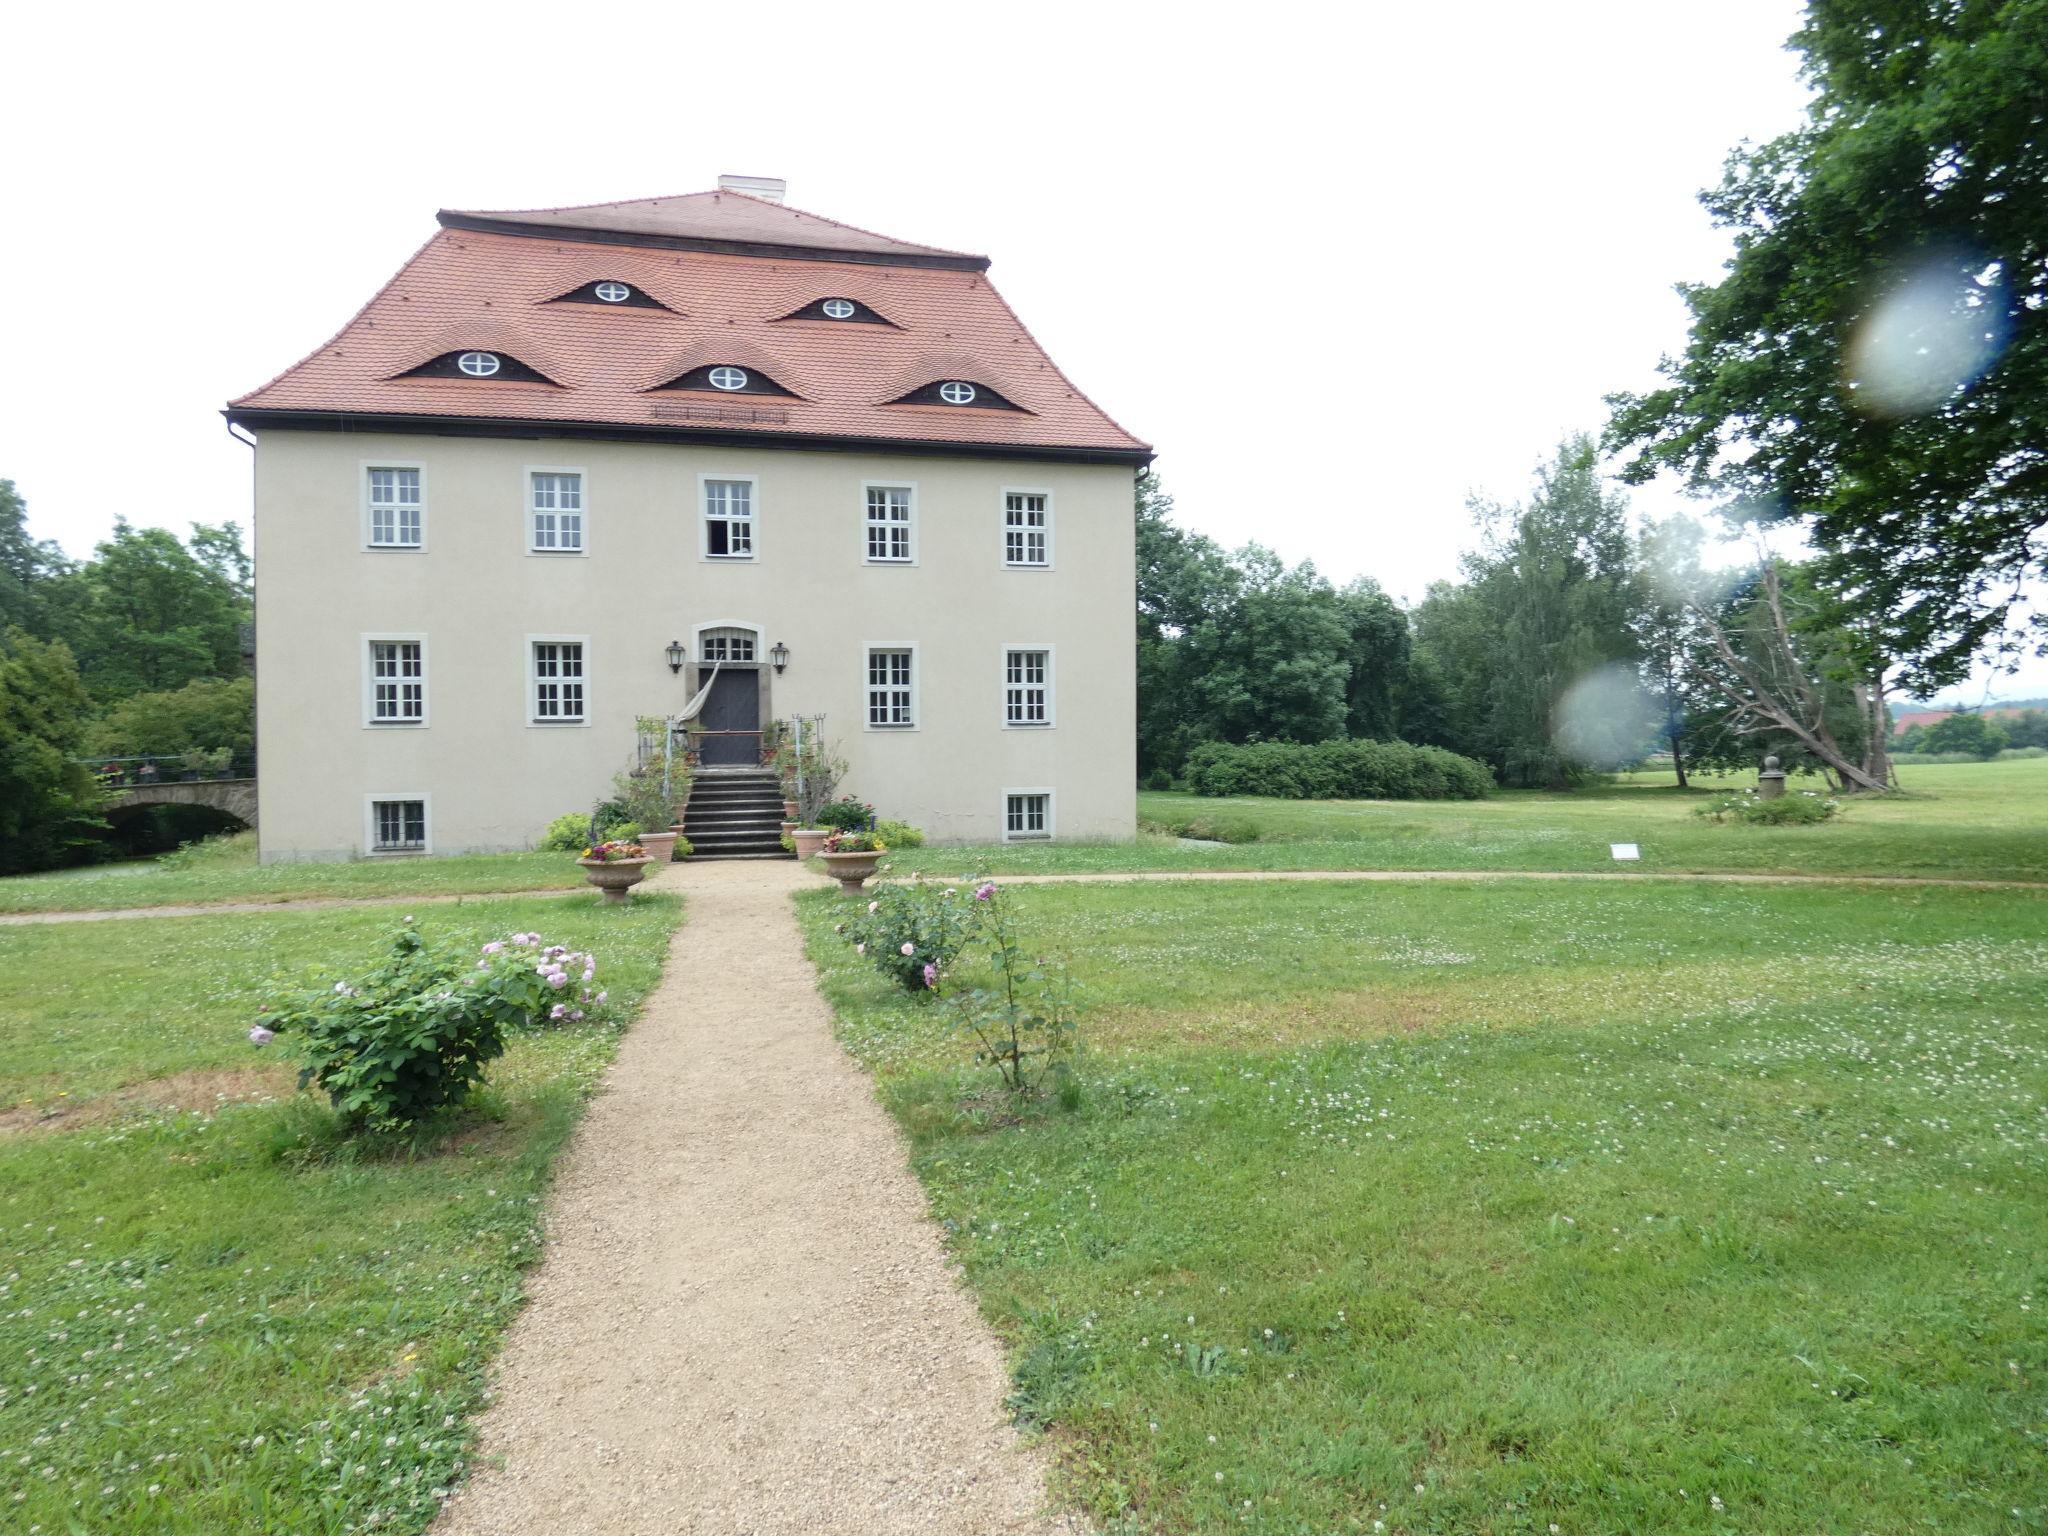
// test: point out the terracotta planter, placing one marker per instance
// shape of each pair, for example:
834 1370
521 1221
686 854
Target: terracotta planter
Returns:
851 870
789 829
660 846
809 840
615 877
789 809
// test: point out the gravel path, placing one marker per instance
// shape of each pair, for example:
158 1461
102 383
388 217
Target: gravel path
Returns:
745 1322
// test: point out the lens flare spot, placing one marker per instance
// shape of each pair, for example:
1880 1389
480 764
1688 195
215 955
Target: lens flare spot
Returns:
1936 330
1605 719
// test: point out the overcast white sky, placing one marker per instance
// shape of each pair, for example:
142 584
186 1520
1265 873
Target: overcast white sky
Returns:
1343 266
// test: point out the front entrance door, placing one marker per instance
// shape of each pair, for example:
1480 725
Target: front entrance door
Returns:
731 719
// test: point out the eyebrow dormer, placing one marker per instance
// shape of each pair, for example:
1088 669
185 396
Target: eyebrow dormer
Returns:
477 363
611 293
841 309
728 379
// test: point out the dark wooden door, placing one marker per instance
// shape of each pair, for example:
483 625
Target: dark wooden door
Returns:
731 719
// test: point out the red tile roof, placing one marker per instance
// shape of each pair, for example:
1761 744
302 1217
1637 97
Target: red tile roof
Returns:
472 287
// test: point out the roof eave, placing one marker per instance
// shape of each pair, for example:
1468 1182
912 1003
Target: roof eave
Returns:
258 418
580 235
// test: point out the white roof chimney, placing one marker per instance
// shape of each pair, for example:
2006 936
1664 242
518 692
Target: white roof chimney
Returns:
771 189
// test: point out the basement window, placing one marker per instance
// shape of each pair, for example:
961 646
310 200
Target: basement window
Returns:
398 826
1027 815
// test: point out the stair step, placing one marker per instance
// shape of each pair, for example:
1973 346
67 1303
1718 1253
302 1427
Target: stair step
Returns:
706 858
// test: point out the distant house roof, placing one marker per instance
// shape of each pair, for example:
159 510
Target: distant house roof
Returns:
1913 717
729 275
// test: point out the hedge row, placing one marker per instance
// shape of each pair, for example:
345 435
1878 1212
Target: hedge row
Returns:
1336 770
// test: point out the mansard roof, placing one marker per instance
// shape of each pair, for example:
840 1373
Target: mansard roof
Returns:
730 271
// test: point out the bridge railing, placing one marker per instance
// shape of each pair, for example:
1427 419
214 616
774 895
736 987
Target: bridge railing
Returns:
171 768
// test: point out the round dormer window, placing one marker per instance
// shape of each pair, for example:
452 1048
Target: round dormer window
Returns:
955 392
839 309
613 293
478 365
728 378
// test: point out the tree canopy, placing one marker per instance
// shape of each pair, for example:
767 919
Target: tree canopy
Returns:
1874 363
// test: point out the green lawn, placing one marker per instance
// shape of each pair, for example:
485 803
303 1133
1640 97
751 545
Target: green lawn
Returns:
226 870
1973 821
211 1320
1498 1208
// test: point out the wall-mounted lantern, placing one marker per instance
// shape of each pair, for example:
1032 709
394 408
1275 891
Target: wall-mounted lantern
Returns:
675 655
779 654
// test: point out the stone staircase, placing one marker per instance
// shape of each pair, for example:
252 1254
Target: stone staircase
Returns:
735 813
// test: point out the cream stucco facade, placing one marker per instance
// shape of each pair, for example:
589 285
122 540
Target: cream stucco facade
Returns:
475 598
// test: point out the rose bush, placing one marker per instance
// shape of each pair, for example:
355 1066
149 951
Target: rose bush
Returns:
911 932
408 1039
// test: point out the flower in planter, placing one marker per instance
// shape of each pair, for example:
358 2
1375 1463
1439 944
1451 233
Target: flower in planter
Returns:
611 852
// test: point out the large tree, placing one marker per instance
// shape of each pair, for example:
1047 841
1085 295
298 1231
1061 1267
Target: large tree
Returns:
148 614
1874 363
1549 600
26 567
48 802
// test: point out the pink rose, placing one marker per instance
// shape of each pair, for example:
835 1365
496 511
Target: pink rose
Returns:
261 1036
985 891
909 949
931 974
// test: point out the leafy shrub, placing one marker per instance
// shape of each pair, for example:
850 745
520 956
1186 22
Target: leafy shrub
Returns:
2021 754
623 832
1158 779
682 849
1210 829
899 834
1930 759
911 932
410 1038
1023 1025
847 814
1801 809
567 834
1336 770
641 800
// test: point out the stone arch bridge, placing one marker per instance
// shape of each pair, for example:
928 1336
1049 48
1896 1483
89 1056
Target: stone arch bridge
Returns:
236 797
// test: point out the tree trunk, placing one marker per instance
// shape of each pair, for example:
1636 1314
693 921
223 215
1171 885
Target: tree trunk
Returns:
1678 755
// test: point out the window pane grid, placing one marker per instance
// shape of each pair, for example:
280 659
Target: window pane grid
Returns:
1025 692
394 506
728 517
888 524
557 680
889 688
1026 815
1025 518
557 512
401 824
398 681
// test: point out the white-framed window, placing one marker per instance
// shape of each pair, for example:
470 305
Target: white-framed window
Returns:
957 392
725 376
394 506
892 687
891 527
1027 685
838 309
612 291
1027 529
727 642
1027 815
556 679
555 512
394 680
395 823
728 521
478 365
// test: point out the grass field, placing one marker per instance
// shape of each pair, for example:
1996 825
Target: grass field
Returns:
213 1319
1973 821
225 869
1503 1208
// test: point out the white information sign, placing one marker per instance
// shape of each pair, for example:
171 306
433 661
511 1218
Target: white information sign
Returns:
1625 850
